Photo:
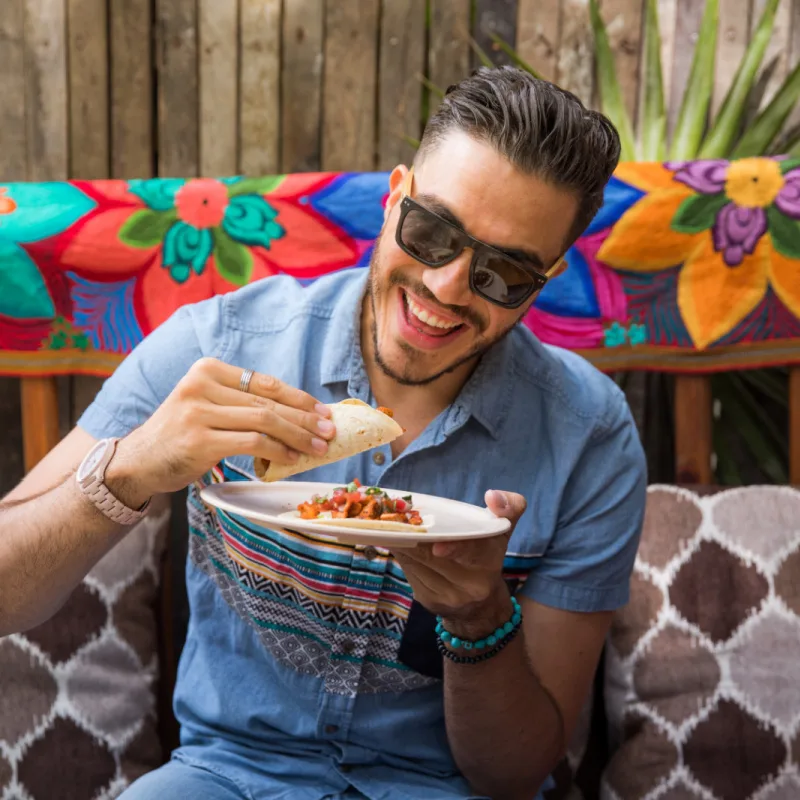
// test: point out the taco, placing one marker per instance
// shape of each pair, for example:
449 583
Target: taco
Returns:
356 506
359 427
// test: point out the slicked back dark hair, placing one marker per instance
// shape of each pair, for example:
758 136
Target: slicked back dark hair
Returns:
541 129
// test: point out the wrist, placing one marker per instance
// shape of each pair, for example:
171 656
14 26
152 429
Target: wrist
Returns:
482 619
124 477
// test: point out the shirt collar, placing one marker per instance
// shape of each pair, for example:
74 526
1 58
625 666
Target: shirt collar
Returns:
486 396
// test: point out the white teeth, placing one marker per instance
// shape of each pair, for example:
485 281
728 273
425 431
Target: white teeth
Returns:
429 319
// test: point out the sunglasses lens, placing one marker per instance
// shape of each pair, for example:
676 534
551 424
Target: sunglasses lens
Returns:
501 280
427 238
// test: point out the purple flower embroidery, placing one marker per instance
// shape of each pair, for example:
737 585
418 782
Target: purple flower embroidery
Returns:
740 201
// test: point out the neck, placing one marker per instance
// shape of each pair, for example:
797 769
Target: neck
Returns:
414 406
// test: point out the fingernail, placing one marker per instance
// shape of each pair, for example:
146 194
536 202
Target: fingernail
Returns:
319 445
325 427
322 410
500 499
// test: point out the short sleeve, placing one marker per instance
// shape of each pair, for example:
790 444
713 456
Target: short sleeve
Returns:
147 376
588 564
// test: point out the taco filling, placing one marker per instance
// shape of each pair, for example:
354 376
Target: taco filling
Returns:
355 501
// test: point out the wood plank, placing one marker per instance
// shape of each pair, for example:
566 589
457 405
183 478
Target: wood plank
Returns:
218 32
39 419
46 89
351 40
779 46
687 28
88 89
301 74
132 89
178 102
13 153
499 17
260 76
667 20
733 36
576 50
448 47
693 429
624 24
402 59
794 426
538 31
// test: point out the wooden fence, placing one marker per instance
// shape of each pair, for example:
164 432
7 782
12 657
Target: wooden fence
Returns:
135 88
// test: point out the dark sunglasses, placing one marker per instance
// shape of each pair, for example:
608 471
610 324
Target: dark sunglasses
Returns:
434 241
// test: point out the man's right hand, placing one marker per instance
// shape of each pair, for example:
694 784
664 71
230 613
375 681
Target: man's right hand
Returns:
207 418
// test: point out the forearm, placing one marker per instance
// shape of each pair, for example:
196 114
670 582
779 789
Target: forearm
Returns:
504 729
47 545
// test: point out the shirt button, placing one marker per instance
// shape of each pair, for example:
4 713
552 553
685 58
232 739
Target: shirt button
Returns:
379 458
370 553
348 646
331 728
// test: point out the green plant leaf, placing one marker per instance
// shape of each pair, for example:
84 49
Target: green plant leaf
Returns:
750 422
696 98
610 92
784 232
260 186
652 143
698 212
147 228
771 383
727 472
430 85
481 53
760 134
234 261
513 55
726 126
770 429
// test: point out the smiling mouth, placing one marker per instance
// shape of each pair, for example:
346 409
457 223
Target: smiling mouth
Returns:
427 322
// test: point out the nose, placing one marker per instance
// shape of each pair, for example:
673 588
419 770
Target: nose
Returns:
450 283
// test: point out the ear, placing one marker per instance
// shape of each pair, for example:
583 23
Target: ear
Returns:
395 188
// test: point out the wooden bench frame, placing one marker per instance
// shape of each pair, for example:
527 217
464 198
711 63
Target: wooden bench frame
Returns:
693 425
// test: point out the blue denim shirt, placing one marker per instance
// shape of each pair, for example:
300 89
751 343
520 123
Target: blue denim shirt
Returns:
310 662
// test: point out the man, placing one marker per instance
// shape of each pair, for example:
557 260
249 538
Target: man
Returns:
318 671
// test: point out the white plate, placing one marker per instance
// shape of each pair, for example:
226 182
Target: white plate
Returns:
264 503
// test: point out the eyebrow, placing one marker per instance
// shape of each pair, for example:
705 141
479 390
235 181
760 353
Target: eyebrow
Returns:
433 203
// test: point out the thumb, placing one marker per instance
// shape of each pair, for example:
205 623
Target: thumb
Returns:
506 504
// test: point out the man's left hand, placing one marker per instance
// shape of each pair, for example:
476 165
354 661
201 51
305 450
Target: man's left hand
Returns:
463 581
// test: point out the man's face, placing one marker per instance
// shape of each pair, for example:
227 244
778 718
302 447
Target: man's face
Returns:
426 321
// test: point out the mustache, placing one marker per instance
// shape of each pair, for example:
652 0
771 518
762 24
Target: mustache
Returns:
468 315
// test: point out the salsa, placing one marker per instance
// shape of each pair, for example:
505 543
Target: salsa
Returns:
357 501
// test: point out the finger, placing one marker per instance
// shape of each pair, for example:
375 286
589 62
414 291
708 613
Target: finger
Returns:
310 420
422 558
423 576
506 504
265 421
265 386
250 443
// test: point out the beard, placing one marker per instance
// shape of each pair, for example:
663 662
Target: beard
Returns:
408 376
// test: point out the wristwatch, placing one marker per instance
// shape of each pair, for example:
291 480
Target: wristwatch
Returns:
90 478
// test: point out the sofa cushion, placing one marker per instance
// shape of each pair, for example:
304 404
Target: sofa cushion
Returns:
702 693
77 706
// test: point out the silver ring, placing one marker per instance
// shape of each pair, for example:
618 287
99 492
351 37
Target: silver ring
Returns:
244 381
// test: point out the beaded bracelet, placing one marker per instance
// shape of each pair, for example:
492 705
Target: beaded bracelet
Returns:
449 654
481 644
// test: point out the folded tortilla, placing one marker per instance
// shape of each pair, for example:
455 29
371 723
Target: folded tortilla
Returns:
359 427
365 524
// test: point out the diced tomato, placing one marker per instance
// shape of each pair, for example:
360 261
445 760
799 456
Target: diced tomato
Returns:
357 482
400 505
353 497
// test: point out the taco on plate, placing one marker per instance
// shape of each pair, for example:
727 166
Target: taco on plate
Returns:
357 506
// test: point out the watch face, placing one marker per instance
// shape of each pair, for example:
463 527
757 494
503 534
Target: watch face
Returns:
92 460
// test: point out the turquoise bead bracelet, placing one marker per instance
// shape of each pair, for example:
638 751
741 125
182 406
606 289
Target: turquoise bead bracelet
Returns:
489 641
